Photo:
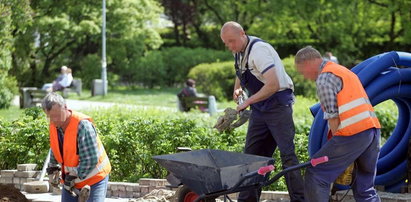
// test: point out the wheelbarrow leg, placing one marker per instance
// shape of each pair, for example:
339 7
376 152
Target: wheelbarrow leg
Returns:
227 197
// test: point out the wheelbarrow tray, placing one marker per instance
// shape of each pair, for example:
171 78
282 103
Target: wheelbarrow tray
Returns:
208 171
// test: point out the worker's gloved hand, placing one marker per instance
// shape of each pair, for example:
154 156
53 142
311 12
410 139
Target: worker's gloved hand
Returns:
51 169
54 175
69 182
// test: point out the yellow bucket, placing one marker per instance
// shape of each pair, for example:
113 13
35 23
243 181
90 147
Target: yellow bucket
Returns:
346 177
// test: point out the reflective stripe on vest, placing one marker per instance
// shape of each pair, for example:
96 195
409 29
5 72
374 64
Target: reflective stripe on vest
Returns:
70 159
356 119
355 111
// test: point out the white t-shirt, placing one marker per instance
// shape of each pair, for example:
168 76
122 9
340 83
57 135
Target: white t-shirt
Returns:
66 81
262 58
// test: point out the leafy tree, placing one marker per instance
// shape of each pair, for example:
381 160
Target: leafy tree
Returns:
353 30
65 33
14 16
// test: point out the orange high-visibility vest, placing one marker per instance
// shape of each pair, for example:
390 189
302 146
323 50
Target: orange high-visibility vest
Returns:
354 108
70 159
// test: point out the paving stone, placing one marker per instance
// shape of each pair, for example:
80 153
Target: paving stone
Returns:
26 167
36 187
6 180
25 174
16 180
7 173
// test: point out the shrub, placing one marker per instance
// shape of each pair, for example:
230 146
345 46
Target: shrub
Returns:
218 79
132 136
150 70
387 114
215 79
24 140
180 60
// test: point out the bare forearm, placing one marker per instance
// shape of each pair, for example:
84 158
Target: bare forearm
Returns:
333 124
237 84
265 92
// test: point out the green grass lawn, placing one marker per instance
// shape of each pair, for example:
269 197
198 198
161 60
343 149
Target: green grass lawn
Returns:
165 97
11 113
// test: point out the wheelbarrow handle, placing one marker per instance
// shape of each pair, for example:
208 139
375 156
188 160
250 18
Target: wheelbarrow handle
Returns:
319 160
312 162
264 170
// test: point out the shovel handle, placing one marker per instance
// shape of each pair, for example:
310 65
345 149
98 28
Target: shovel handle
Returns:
319 160
264 170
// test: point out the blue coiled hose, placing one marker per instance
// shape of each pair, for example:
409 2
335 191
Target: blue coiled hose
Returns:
384 76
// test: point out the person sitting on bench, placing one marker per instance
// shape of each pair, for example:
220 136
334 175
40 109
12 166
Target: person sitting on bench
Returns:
64 80
188 91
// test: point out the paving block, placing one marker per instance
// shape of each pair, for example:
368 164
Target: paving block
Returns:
26 167
16 180
115 193
7 173
36 187
272 195
132 187
144 181
121 187
114 187
23 180
129 194
143 189
6 180
122 194
108 194
136 195
25 174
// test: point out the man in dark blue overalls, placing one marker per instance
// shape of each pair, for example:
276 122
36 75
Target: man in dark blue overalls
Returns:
261 73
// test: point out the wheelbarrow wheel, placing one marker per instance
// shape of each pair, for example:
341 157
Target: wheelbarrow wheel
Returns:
184 194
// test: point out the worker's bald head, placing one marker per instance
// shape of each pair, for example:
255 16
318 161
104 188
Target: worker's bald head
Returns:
233 36
232 26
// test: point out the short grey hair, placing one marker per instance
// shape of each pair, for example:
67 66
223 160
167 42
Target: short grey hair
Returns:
52 99
307 53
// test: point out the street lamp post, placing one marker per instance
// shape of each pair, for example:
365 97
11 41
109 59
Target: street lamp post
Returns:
103 60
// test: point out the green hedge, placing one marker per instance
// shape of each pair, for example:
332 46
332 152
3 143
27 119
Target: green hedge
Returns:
218 79
215 79
170 66
132 136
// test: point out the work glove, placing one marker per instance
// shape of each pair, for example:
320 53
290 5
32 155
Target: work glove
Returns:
54 175
51 169
69 182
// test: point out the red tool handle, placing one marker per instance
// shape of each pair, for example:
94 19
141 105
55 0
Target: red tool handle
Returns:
319 160
264 170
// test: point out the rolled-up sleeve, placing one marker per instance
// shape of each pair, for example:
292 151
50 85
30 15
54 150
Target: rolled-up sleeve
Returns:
87 148
328 86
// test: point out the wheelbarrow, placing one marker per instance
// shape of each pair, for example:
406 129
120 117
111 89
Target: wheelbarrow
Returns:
207 174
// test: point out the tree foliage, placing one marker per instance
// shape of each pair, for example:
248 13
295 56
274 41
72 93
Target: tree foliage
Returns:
353 30
69 33
14 17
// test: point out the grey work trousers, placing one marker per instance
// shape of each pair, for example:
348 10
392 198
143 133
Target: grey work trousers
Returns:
266 132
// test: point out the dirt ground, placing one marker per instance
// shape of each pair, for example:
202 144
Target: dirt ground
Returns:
8 193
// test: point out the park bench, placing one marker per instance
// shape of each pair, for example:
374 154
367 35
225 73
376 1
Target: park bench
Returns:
32 96
75 87
205 104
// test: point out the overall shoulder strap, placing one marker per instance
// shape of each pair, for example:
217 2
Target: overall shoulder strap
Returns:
249 50
237 56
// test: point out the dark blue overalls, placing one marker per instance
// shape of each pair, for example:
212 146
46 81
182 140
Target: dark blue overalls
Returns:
271 124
